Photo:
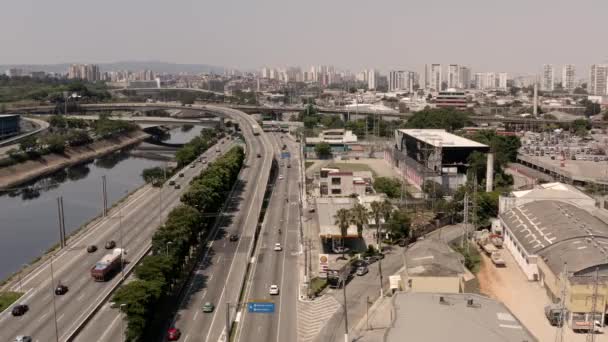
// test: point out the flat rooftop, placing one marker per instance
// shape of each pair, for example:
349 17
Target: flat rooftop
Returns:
421 317
326 210
434 258
440 138
559 232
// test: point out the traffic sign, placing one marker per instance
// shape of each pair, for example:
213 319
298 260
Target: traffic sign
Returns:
260 307
285 155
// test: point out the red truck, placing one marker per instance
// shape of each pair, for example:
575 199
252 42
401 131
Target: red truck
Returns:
105 268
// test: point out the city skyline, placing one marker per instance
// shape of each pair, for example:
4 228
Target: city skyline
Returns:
342 40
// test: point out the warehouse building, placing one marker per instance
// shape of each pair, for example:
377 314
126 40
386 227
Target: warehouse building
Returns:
558 238
434 154
9 125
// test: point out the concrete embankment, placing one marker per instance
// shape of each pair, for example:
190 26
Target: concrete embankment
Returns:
12 176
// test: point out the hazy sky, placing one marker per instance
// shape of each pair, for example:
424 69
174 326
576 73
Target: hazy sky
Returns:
488 35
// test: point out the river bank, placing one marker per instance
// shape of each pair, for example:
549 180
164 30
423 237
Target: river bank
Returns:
14 175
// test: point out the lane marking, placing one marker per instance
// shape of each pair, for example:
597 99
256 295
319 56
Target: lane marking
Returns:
195 315
60 317
109 329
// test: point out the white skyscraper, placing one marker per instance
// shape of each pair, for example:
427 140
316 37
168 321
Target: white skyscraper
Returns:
502 81
464 77
548 78
433 76
598 79
372 79
453 76
568 77
397 80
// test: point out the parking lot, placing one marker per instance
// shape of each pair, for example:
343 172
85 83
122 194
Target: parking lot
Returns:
524 298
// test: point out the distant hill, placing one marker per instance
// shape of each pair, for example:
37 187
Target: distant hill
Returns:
158 67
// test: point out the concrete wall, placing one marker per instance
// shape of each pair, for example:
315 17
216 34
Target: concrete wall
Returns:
526 262
434 284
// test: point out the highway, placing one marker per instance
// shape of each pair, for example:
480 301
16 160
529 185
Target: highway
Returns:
220 273
139 217
276 267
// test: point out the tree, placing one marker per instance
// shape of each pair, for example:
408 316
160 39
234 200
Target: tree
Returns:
323 150
55 143
591 107
433 189
58 121
399 224
389 186
29 144
446 118
581 127
310 122
158 268
359 216
342 220
376 214
154 175
140 299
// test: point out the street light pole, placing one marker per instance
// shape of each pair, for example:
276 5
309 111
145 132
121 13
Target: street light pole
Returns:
122 322
345 310
122 246
168 243
54 306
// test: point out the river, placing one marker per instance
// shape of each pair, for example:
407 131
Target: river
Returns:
28 218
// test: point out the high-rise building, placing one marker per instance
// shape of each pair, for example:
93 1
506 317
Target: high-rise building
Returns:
568 77
548 80
464 77
372 79
453 76
598 79
433 76
86 72
398 80
14 72
502 81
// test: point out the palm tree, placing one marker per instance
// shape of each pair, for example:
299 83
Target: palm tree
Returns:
386 208
343 219
359 217
376 213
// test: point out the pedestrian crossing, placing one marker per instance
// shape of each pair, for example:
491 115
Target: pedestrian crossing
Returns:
313 315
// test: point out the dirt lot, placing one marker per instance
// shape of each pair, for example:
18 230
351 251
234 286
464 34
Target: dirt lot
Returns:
524 298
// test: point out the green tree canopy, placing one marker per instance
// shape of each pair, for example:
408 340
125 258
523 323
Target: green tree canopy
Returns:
399 224
323 150
446 118
389 186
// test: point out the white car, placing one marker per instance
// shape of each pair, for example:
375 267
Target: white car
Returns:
23 339
277 247
274 290
280 177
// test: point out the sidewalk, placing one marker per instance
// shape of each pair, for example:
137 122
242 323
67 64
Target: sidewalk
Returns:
380 320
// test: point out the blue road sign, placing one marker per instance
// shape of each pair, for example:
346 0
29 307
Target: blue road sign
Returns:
285 155
260 307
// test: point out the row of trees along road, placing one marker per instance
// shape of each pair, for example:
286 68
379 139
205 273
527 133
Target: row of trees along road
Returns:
147 300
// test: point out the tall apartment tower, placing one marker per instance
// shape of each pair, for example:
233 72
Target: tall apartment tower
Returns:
433 76
548 78
453 76
568 77
464 77
502 81
598 79
397 80
372 79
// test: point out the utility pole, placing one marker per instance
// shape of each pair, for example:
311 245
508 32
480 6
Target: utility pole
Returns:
559 333
104 195
591 331
61 221
345 309
227 321
465 221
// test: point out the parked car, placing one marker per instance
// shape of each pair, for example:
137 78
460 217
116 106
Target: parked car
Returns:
61 289
340 250
19 310
277 247
177 186
234 237
173 334
208 307
172 182
361 270
274 290
181 174
22 338
259 155
91 249
110 244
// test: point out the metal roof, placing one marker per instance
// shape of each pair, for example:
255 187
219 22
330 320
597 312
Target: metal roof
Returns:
423 317
441 138
559 232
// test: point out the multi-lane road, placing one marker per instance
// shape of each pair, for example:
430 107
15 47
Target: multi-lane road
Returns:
271 267
221 271
139 216
131 223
